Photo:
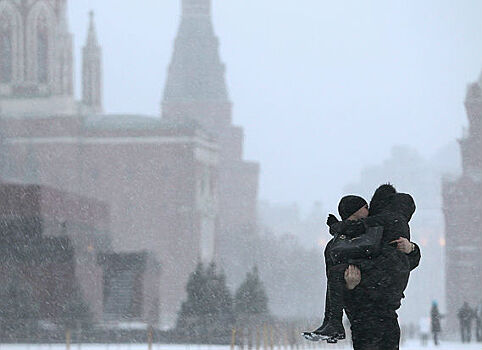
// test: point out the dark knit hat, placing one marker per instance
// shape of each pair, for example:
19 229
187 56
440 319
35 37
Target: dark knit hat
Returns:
349 205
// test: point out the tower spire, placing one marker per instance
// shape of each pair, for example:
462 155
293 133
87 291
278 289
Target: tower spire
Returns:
196 8
92 35
196 88
92 70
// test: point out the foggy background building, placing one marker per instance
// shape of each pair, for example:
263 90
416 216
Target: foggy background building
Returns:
175 181
462 207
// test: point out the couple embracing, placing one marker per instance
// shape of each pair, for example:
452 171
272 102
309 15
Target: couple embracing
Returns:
368 264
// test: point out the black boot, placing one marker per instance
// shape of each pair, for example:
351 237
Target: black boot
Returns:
313 335
333 329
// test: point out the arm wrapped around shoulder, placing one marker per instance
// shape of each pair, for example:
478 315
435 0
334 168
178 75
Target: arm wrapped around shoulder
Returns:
365 246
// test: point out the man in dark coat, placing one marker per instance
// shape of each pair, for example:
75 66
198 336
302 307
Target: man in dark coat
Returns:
370 309
435 317
465 315
373 316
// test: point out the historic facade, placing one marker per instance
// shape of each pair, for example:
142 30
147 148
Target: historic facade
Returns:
462 205
36 74
176 186
49 241
196 90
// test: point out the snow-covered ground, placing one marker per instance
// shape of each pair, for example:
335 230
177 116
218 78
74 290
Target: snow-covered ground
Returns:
411 345
415 345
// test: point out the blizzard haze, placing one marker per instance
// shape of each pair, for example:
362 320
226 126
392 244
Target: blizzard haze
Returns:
177 227
321 87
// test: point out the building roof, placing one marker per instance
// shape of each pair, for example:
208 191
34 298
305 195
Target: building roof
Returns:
134 122
122 121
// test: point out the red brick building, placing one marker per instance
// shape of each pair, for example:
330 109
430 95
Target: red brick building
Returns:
51 239
196 90
462 205
130 288
176 186
59 244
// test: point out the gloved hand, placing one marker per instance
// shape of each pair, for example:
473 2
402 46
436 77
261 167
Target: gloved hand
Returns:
331 220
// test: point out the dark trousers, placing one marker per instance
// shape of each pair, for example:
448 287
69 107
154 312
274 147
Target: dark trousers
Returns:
479 330
375 333
465 330
435 338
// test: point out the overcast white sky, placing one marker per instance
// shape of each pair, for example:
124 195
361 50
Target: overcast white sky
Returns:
322 88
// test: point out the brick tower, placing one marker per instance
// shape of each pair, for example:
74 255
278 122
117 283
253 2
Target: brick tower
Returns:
462 205
196 90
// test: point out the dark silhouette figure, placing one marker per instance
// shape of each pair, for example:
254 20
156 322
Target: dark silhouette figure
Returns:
478 322
465 315
435 318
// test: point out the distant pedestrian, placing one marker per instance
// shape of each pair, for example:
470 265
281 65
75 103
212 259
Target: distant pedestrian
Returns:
435 317
478 322
465 315
424 326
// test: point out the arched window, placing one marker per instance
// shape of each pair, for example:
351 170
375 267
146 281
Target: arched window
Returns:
42 49
5 49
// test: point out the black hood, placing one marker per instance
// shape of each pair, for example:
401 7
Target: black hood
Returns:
382 198
402 203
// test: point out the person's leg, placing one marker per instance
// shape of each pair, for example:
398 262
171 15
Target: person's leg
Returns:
333 328
479 330
391 334
327 306
477 335
435 338
309 335
367 334
336 287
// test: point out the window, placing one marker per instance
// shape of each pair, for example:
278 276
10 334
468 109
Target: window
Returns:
5 49
42 49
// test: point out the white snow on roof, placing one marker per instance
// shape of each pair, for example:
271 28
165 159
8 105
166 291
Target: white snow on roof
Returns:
122 121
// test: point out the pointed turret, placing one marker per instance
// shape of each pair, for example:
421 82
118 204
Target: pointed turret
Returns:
92 70
196 8
462 205
196 86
